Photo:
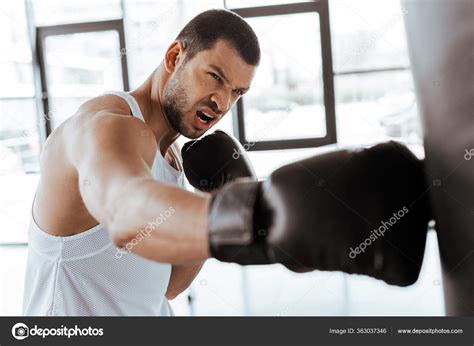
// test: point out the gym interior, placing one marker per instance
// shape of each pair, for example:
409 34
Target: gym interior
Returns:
333 74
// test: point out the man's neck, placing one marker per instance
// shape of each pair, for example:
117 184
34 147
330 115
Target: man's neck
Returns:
148 96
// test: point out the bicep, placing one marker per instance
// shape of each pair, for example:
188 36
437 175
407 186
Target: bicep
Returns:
109 152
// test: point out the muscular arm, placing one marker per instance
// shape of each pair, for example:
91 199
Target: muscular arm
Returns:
113 155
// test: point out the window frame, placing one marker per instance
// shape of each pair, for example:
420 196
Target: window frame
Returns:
238 113
42 32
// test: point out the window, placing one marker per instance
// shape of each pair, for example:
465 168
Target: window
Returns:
19 135
19 141
290 104
288 89
375 106
374 87
54 12
80 61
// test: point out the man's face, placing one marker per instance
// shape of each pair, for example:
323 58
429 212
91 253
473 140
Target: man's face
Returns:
202 91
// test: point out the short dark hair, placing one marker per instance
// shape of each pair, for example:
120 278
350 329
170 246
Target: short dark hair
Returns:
206 28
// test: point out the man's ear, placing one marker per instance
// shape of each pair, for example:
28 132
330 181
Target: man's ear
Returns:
174 55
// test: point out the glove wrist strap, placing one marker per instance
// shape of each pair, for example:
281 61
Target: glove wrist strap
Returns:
231 218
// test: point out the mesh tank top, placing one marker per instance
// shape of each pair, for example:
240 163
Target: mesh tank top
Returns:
86 275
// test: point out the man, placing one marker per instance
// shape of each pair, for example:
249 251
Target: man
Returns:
358 211
115 162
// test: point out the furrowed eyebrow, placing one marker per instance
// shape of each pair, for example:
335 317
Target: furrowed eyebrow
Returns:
219 71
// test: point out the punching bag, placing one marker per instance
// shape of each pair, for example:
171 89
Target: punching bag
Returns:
440 35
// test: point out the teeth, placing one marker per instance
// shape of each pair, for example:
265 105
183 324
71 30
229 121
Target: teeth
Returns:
204 114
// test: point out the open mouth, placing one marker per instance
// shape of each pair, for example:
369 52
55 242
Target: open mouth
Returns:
203 117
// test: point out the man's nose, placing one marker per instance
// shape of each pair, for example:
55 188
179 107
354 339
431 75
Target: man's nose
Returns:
222 100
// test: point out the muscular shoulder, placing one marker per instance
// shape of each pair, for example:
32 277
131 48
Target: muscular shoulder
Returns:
103 124
110 103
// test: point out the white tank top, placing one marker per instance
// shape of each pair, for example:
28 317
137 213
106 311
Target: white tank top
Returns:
86 275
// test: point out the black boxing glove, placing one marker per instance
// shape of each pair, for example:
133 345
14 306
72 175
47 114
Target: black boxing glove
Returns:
358 211
214 160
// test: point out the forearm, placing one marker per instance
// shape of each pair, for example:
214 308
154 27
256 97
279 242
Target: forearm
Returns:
161 222
181 277
113 159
